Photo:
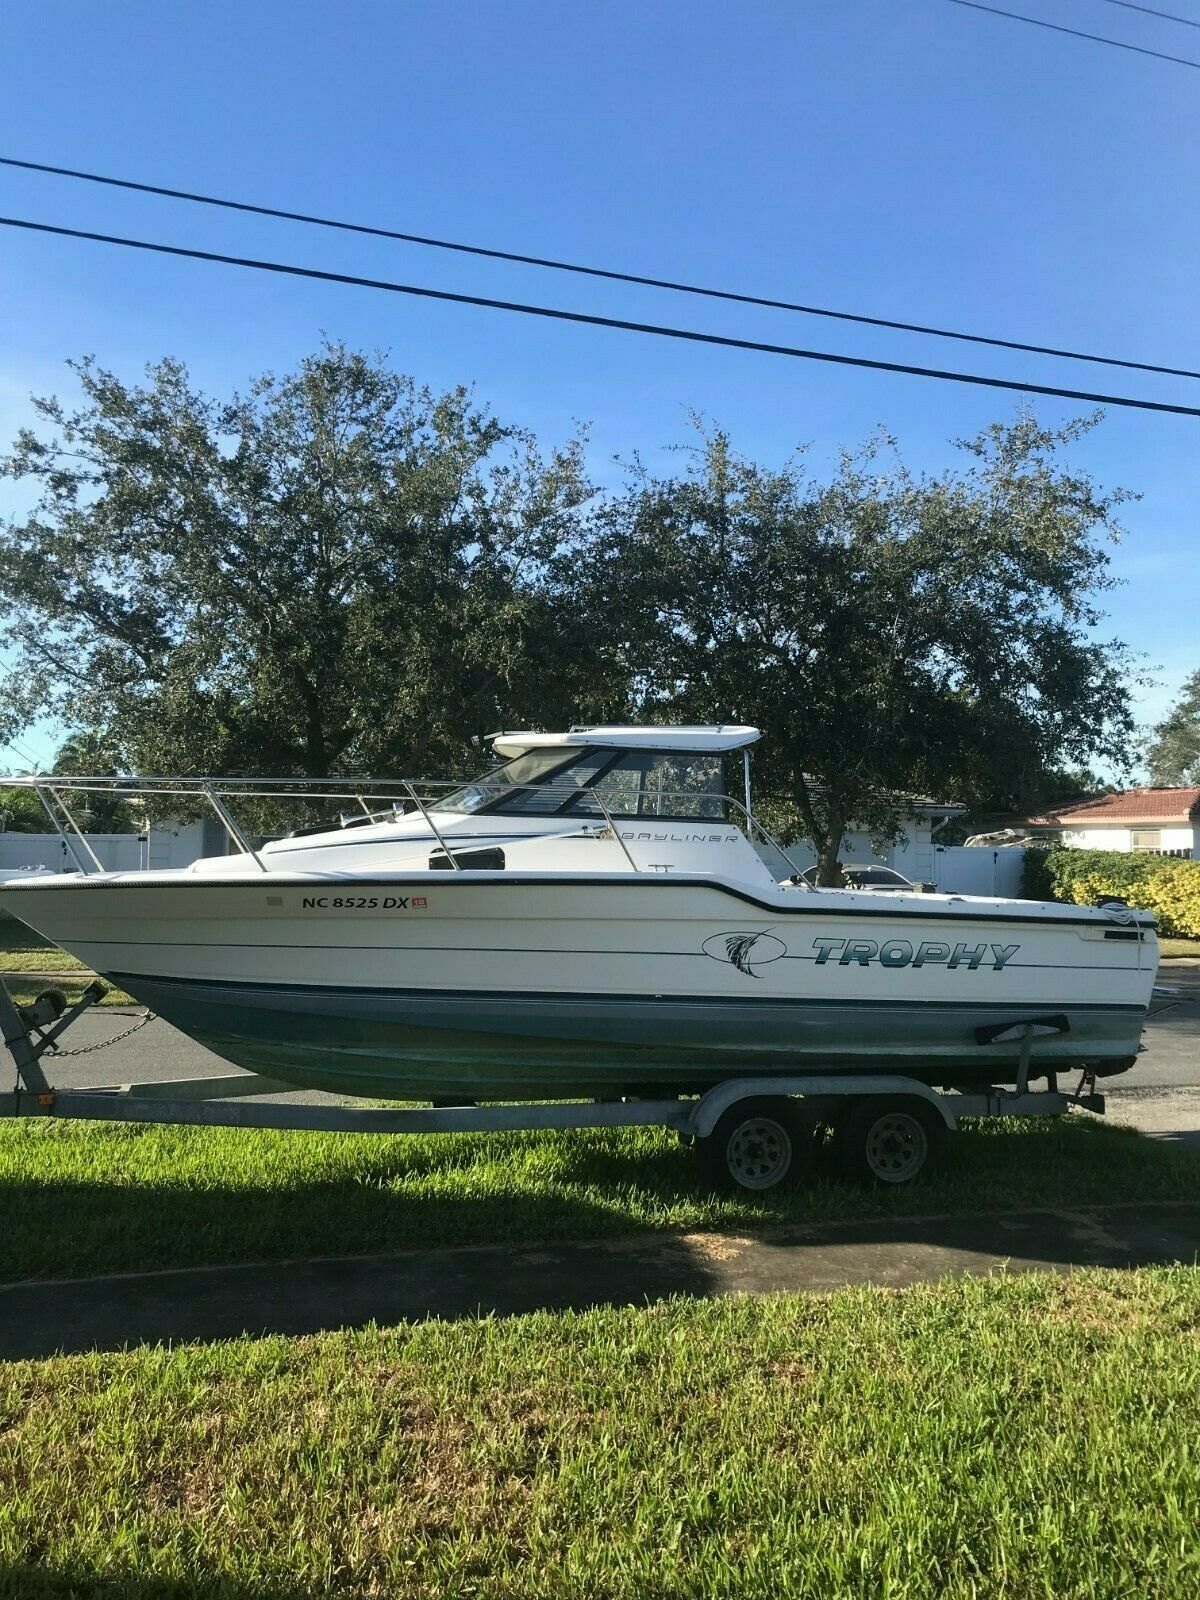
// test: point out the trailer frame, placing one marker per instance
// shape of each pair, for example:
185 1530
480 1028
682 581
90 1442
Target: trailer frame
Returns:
30 1033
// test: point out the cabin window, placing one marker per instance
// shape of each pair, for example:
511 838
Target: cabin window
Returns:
655 783
645 783
555 791
1146 841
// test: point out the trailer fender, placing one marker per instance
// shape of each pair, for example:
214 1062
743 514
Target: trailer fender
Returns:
712 1105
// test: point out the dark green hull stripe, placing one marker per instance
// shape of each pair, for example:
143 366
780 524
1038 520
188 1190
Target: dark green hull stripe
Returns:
592 997
432 1044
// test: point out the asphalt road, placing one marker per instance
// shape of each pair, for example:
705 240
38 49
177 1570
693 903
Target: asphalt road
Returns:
1161 1094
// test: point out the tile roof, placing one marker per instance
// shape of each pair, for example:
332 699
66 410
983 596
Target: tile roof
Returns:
1135 805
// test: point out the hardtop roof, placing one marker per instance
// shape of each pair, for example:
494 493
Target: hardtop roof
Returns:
677 736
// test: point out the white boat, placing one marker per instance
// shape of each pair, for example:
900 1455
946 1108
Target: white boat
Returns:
19 874
591 918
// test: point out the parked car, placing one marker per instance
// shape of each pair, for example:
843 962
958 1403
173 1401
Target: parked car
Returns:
885 879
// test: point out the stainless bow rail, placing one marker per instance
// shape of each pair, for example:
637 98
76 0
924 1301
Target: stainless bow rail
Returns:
422 794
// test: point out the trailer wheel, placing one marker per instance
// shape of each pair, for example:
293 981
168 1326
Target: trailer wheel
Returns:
890 1141
757 1145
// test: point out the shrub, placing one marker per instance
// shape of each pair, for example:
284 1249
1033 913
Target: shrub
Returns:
1036 883
1166 885
21 812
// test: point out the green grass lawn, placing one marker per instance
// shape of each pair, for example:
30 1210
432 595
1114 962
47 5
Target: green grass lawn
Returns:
96 1198
44 959
970 1440
23 950
27 990
1179 947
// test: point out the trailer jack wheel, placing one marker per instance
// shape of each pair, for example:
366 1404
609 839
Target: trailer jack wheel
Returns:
890 1141
757 1145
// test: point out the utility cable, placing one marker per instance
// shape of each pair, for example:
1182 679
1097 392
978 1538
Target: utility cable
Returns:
22 755
1167 16
589 319
1076 33
592 272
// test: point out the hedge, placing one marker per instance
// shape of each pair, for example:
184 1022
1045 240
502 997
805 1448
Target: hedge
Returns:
1169 886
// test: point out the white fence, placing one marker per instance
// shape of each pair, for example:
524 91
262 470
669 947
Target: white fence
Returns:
956 869
117 852
959 869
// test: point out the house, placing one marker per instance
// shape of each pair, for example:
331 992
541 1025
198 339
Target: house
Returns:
1155 822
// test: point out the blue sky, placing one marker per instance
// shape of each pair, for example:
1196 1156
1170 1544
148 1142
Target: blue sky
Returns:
914 160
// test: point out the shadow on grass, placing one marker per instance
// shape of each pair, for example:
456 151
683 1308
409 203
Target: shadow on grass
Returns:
97 1200
42 1583
581 1219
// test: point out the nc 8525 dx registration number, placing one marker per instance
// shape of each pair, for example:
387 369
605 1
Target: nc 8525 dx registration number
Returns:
364 902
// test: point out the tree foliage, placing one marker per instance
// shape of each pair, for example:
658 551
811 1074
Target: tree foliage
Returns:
341 571
1174 754
21 811
97 810
891 634
336 570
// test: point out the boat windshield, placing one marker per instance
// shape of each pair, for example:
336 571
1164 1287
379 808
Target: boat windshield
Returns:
640 783
504 782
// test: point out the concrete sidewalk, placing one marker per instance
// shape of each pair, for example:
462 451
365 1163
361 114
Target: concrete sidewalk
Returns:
296 1297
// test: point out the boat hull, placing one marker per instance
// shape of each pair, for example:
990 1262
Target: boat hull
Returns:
480 986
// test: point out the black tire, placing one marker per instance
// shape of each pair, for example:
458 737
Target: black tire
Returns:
889 1140
757 1146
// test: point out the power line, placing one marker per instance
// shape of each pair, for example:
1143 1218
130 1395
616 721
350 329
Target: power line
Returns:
11 744
593 272
592 320
1076 33
1167 16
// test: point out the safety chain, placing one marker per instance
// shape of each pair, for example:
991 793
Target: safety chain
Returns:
89 1049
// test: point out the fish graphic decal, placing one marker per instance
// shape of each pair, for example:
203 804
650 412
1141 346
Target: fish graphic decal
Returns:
745 951
739 946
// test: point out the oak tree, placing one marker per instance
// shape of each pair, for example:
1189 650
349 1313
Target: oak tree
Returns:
892 634
337 569
1174 754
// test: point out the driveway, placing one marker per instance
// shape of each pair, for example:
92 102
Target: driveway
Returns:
1161 1095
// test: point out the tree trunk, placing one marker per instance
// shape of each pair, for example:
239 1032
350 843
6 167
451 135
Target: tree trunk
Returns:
825 830
828 843
316 743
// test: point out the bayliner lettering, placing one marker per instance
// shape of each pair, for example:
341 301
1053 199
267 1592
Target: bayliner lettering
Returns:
373 902
675 838
901 953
